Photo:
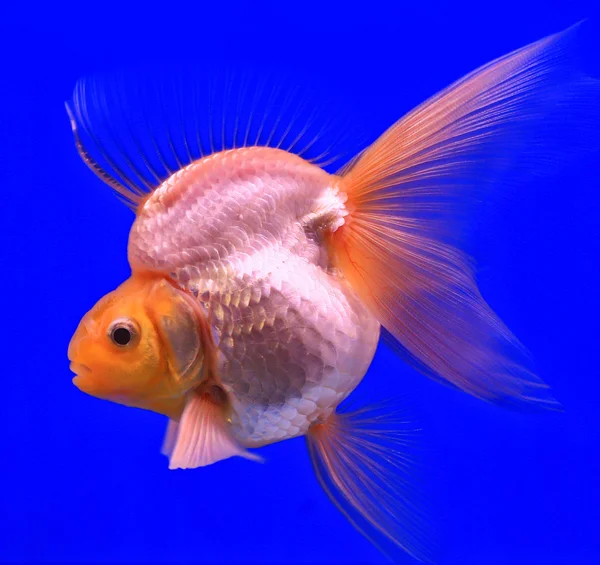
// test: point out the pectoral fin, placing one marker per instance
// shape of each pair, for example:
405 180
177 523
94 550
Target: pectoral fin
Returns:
170 438
202 436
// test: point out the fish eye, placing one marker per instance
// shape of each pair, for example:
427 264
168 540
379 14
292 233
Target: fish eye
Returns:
122 332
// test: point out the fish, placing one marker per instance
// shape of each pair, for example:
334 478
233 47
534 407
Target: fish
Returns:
261 283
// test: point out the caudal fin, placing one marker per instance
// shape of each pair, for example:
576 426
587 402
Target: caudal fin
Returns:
366 462
407 198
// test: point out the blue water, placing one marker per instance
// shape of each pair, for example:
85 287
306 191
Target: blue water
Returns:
83 479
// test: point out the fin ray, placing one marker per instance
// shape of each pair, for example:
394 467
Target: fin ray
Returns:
409 194
362 460
202 436
140 127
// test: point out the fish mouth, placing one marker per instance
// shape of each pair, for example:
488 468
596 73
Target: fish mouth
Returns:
81 372
79 369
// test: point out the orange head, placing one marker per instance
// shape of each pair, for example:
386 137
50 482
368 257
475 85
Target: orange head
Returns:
145 344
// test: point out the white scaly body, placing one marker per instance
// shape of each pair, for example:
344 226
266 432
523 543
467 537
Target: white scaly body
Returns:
244 230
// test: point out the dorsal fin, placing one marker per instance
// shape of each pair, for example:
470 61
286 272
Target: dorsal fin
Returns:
124 191
136 129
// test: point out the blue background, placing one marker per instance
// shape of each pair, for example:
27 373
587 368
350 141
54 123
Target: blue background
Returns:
82 480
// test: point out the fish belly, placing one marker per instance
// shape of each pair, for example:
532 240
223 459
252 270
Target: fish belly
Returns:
292 345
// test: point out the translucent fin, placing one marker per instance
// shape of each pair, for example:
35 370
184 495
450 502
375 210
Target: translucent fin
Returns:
170 438
365 462
410 191
203 436
137 128
131 198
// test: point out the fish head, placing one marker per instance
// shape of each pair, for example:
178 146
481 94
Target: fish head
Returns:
143 344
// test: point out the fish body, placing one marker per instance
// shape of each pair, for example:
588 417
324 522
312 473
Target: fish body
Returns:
260 283
293 338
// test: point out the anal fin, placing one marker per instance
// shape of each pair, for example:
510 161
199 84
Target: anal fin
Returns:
365 462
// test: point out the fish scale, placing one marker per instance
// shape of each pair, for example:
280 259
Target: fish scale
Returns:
293 338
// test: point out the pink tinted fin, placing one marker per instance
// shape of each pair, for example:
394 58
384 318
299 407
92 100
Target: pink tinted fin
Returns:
411 198
203 436
366 463
170 438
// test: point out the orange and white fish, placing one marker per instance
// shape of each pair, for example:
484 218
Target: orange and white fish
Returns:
259 284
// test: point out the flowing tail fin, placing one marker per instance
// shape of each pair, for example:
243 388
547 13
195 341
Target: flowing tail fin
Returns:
408 193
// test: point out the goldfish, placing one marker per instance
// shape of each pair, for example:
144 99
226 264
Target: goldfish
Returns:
261 284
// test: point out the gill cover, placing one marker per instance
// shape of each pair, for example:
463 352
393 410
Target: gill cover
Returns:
182 328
